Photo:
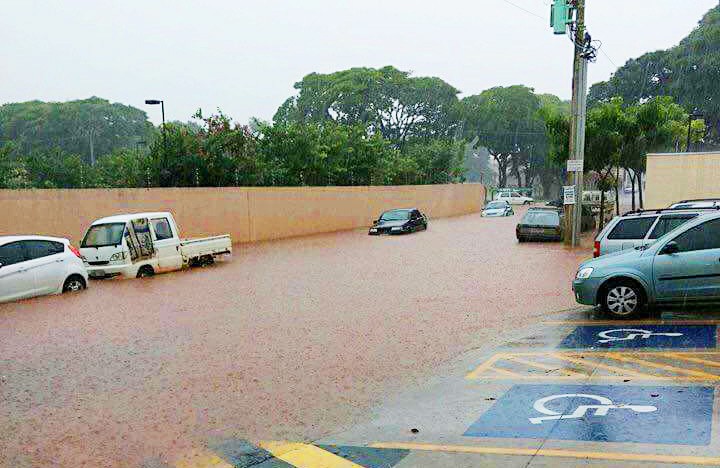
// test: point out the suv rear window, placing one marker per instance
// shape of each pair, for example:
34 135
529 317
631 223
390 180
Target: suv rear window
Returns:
632 228
668 223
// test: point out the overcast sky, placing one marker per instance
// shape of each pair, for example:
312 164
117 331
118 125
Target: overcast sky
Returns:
244 57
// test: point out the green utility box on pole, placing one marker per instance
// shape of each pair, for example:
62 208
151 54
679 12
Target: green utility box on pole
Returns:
560 16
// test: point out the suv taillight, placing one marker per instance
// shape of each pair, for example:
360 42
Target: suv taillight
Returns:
596 249
75 251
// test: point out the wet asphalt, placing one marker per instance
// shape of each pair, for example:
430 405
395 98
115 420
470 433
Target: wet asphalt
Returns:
289 340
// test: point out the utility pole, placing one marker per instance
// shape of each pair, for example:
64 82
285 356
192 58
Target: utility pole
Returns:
581 56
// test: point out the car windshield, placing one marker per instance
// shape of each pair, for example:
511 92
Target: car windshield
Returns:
101 235
541 218
496 205
395 215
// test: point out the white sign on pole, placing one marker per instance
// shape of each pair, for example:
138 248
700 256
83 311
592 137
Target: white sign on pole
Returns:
574 165
569 195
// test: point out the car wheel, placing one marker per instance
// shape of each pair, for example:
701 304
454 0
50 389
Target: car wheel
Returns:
145 271
74 283
622 299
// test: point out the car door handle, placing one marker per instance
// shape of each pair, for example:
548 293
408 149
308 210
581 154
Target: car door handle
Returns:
59 261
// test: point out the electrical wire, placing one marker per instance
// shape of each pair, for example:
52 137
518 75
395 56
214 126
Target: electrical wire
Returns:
524 9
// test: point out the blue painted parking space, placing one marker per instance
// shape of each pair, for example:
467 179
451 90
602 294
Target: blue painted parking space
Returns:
642 336
601 413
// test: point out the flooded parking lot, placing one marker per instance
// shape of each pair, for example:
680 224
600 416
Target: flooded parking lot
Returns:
290 340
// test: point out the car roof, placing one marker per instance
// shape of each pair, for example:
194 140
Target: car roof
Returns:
124 218
7 239
400 209
655 212
544 208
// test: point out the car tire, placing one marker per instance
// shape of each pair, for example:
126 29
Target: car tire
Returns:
145 271
521 239
74 283
622 299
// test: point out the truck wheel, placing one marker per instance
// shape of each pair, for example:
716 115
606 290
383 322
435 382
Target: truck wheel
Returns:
622 299
145 271
207 260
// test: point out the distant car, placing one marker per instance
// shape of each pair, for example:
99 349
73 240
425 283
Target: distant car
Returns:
558 203
698 203
399 222
642 227
514 198
540 224
36 265
679 267
497 208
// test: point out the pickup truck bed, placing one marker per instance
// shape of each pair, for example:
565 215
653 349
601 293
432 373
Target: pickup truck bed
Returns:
193 249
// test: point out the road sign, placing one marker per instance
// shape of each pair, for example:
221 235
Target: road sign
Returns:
574 165
601 413
569 195
643 336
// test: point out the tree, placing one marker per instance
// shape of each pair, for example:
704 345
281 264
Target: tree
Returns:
508 123
385 101
689 72
88 127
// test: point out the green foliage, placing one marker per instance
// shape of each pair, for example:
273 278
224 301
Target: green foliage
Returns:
73 126
384 101
689 72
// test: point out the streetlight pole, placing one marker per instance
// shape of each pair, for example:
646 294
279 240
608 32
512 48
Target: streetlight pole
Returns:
695 114
153 102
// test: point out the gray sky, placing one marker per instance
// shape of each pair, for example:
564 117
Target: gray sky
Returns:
244 56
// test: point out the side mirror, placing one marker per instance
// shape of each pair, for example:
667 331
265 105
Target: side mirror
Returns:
670 248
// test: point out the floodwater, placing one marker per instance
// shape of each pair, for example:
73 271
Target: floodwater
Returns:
288 340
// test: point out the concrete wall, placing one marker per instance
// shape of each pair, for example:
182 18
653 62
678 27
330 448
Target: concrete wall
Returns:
676 176
248 214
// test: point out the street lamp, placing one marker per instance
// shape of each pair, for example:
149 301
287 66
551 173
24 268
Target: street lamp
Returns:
696 114
163 171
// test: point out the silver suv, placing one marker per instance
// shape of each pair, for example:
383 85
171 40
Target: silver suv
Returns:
642 227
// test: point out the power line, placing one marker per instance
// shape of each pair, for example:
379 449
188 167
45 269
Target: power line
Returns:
524 9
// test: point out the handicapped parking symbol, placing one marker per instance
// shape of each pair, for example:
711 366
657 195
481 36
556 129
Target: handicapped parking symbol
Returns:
630 334
601 409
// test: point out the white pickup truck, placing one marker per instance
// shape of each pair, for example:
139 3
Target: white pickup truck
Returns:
142 244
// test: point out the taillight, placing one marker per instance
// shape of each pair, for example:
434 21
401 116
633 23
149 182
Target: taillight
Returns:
596 249
75 251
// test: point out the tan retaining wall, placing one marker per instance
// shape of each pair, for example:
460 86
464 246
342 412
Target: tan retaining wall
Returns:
247 214
673 177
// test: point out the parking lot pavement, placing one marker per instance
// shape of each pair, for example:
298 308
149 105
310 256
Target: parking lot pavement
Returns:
289 341
572 389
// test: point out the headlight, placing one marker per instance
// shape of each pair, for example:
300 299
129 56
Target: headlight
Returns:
373 229
117 256
584 273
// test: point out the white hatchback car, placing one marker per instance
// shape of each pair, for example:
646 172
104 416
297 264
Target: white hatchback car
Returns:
36 265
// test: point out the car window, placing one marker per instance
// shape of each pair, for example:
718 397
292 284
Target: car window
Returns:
541 218
632 228
103 235
161 226
668 223
42 248
701 237
12 253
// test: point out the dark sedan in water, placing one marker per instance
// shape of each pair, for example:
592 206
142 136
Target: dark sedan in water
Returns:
540 224
399 222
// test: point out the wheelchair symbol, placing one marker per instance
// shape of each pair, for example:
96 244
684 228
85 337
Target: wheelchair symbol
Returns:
601 409
630 334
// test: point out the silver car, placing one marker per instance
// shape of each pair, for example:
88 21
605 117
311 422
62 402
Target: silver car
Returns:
497 208
680 267
641 227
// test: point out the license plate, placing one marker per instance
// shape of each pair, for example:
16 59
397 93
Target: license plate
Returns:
98 273
537 231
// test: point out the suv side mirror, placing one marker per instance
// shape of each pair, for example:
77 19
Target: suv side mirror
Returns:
670 248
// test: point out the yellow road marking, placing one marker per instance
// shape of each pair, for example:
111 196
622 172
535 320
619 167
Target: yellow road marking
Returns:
693 359
203 460
617 370
568 373
484 366
505 372
486 369
666 367
305 455
637 322
558 453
